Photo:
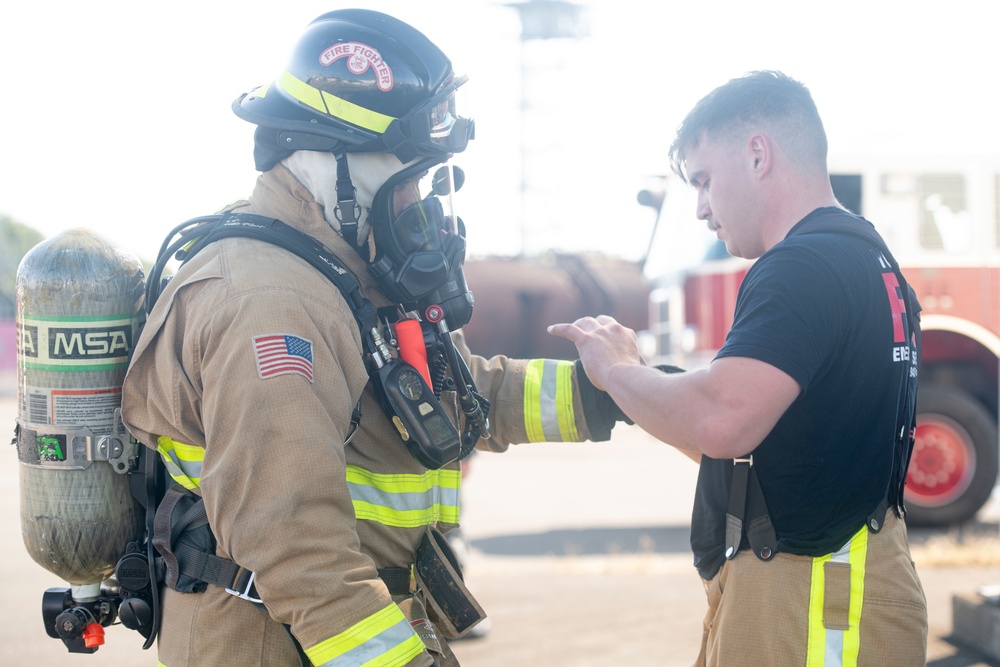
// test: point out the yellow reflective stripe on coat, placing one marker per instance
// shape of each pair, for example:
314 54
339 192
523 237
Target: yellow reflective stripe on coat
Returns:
324 102
383 639
183 461
405 500
832 647
548 401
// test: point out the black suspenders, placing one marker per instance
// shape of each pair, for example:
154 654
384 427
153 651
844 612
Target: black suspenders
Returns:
746 501
747 509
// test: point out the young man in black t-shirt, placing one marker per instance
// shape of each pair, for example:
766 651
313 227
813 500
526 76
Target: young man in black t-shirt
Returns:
803 421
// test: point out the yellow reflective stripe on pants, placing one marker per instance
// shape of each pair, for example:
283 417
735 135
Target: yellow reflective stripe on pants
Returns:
383 639
833 647
183 462
405 500
548 401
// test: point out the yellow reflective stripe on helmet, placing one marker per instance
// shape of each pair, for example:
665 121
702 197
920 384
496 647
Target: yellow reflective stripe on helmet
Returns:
332 105
384 639
405 500
831 647
548 401
183 462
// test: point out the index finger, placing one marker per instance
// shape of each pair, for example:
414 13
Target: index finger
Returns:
570 332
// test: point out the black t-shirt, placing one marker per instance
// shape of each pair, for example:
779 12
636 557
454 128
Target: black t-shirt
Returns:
823 307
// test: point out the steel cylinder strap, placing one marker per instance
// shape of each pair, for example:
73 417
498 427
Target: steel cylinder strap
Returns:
548 401
384 639
405 500
183 461
836 593
73 447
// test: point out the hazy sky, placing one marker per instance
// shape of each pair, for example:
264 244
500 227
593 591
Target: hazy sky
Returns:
116 115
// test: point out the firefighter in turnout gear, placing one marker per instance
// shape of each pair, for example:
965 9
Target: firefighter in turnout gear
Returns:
300 424
803 423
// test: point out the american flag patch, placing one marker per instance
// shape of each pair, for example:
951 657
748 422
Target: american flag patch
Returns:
278 354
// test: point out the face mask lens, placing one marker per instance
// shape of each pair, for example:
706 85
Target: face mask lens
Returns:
425 209
419 227
420 240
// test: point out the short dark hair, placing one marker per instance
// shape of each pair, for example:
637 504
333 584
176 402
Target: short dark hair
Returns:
764 97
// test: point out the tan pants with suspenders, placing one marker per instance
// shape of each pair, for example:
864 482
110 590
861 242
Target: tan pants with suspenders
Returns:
862 606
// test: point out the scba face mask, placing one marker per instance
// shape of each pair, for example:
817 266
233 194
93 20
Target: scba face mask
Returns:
420 242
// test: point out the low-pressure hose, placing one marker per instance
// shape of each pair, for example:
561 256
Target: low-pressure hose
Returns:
439 372
477 424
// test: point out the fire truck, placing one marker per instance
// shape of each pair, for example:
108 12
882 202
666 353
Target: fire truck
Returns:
941 218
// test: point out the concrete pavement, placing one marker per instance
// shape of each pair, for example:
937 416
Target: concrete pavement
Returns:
578 552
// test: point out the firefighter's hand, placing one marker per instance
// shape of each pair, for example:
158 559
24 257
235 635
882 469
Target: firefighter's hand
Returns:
602 343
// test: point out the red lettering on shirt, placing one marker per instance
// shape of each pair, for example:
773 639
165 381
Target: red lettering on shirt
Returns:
896 305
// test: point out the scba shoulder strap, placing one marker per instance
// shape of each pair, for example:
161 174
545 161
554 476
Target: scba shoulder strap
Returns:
199 232
428 435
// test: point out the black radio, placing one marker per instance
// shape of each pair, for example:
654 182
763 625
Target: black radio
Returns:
410 403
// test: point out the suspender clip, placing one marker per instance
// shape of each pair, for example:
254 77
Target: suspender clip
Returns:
746 505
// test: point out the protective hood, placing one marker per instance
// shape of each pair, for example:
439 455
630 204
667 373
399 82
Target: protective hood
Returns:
318 173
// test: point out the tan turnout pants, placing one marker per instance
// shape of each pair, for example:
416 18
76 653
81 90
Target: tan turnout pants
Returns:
863 606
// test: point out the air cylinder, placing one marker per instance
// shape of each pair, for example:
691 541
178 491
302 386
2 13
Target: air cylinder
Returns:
79 312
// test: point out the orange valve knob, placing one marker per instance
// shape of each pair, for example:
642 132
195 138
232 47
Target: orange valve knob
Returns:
411 346
93 636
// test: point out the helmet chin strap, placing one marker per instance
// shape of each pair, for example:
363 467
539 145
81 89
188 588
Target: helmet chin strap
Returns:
348 211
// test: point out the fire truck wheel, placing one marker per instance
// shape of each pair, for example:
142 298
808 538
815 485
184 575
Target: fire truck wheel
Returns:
954 465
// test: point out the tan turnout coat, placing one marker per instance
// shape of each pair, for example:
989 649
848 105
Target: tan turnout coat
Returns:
274 471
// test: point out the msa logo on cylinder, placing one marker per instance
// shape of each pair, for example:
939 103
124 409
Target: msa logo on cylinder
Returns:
88 343
61 343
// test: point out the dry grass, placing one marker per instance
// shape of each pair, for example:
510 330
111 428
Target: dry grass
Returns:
951 550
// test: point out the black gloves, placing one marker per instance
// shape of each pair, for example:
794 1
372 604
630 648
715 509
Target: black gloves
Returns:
599 409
